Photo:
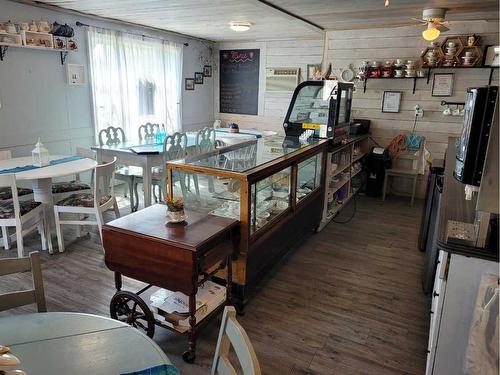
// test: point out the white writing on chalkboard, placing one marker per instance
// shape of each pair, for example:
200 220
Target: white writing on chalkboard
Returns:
239 81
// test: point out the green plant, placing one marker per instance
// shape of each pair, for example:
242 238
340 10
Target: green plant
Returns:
174 204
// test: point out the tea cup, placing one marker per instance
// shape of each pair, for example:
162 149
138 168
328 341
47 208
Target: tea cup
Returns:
421 73
451 44
447 111
399 62
468 54
456 112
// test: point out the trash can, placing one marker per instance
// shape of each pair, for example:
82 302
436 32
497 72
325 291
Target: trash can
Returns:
376 162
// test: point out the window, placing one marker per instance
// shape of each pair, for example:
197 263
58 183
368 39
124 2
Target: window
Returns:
134 80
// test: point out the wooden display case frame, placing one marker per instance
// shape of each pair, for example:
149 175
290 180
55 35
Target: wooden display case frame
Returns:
260 250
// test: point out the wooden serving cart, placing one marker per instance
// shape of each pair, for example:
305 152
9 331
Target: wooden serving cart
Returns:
178 257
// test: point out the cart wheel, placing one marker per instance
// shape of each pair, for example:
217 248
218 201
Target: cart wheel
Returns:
129 308
188 356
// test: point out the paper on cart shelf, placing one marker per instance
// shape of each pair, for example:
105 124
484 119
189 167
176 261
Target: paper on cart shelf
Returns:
209 294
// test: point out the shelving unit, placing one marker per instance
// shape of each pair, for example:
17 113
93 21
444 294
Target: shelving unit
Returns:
429 71
330 210
21 41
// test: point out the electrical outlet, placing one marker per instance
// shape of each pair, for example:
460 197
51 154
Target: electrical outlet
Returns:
419 111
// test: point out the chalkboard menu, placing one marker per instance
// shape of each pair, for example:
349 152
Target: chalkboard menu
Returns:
239 81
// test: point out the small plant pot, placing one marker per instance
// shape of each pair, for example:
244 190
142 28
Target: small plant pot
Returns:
176 216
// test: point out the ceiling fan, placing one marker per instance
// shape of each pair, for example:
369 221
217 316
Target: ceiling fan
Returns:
433 18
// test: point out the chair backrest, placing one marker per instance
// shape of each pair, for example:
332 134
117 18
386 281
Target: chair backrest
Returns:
25 297
205 140
9 180
111 136
104 182
148 131
174 146
232 333
5 154
86 153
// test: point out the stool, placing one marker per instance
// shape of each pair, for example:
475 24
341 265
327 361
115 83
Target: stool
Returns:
406 173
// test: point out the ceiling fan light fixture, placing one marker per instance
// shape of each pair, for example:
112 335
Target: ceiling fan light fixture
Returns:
431 33
240 26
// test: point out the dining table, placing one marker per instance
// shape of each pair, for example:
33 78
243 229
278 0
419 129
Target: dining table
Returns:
147 154
41 180
80 344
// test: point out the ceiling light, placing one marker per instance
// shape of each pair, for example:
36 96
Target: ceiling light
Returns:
431 32
239 26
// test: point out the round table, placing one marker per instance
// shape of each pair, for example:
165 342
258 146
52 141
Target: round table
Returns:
42 181
74 343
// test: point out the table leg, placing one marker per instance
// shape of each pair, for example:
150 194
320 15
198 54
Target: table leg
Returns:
147 181
42 192
190 355
118 281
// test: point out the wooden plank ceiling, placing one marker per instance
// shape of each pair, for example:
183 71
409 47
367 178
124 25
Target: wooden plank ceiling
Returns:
209 19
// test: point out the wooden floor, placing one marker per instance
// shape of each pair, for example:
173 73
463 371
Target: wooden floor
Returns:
348 300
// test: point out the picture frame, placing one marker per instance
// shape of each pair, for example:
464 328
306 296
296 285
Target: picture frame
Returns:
391 101
442 84
189 83
207 70
314 72
490 58
198 78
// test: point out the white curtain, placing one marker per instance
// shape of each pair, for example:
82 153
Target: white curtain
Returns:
134 80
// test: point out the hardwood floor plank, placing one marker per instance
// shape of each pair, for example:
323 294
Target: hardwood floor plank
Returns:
347 301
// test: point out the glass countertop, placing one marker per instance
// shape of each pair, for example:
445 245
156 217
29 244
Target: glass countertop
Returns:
251 154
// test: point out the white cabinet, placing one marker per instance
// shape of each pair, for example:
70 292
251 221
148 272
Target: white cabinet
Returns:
455 296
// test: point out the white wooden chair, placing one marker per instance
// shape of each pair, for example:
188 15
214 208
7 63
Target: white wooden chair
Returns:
232 333
5 192
114 136
25 297
102 199
61 190
24 215
205 142
408 166
148 131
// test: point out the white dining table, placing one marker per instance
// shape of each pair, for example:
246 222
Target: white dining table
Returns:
78 344
42 182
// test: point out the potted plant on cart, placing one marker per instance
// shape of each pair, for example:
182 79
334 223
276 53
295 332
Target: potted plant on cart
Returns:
175 209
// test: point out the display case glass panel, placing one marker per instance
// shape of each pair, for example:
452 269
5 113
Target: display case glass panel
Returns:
312 104
308 176
269 198
250 154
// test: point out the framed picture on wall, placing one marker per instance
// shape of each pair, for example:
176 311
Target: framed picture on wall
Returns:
442 85
314 72
189 84
391 101
207 70
198 78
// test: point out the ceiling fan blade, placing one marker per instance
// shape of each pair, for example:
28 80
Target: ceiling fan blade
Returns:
442 28
419 20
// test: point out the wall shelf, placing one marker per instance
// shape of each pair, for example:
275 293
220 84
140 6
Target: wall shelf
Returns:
63 51
395 78
429 72
431 68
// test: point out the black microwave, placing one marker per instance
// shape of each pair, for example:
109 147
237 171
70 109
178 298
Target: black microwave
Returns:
321 106
471 148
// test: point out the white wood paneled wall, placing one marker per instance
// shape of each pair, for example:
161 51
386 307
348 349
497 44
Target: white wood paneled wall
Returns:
351 47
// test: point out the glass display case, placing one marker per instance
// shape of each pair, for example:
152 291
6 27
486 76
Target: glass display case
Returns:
321 106
265 183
